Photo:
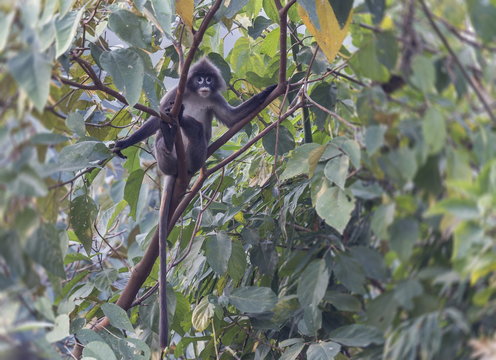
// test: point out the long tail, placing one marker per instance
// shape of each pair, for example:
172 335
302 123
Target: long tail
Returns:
162 236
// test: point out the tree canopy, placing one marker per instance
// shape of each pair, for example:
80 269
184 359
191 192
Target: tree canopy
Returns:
352 217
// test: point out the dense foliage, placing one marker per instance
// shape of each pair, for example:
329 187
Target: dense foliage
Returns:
362 226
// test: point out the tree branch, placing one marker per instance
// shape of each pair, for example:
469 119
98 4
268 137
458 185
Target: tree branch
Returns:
469 79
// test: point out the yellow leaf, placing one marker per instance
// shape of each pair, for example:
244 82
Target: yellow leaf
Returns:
240 218
330 36
184 9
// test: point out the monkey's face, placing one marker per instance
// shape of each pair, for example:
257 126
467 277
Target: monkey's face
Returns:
203 84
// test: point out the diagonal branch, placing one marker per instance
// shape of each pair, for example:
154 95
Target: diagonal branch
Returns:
469 79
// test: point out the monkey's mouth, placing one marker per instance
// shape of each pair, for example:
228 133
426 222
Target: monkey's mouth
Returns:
204 92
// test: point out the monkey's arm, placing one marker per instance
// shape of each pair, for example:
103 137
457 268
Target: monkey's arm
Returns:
230 115
149 128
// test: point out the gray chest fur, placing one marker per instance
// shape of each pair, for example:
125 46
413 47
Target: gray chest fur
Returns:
200 109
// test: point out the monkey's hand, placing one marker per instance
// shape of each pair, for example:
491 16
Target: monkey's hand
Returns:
181 111
116 149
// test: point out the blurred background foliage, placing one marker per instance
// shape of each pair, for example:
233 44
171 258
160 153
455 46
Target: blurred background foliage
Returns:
362 227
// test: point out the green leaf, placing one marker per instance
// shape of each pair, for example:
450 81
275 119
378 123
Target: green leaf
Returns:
98 350
336 170
127 70
164 13
5 27
253 299
374 138
434 131
312 316
132 190
48 139
341 10
105 278
349 272
324 94
237 262
60 330
259 25
312 283
366 190
464 209
285 142
292 352
117 316
202 314
357 335
218 251
83 212
234 7
406 291
371 261
311 9
66 28
73 257
366 62
298 164
400 165
334 206
75 122
352 149
404 234
134 30
387 49
323 351
343 302
424 74
79 156
483 14
32 72
44 247
269 45
377 9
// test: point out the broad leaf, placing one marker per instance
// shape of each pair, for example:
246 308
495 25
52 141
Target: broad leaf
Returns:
323 351
66 28
164 13
117 316
357 335
312 283
134 30
32 72
83 212
218 251
98 350
127 70
132 190
202 314
336 170
334 206
44 247
253 299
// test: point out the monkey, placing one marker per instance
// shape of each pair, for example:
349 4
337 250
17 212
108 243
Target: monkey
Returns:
202 100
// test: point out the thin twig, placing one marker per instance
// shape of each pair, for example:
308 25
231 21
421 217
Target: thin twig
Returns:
465 74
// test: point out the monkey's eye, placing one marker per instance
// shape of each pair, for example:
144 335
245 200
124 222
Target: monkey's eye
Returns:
200 80
208 80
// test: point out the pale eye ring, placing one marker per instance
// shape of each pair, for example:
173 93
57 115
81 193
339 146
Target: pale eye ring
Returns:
208 80
200 80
